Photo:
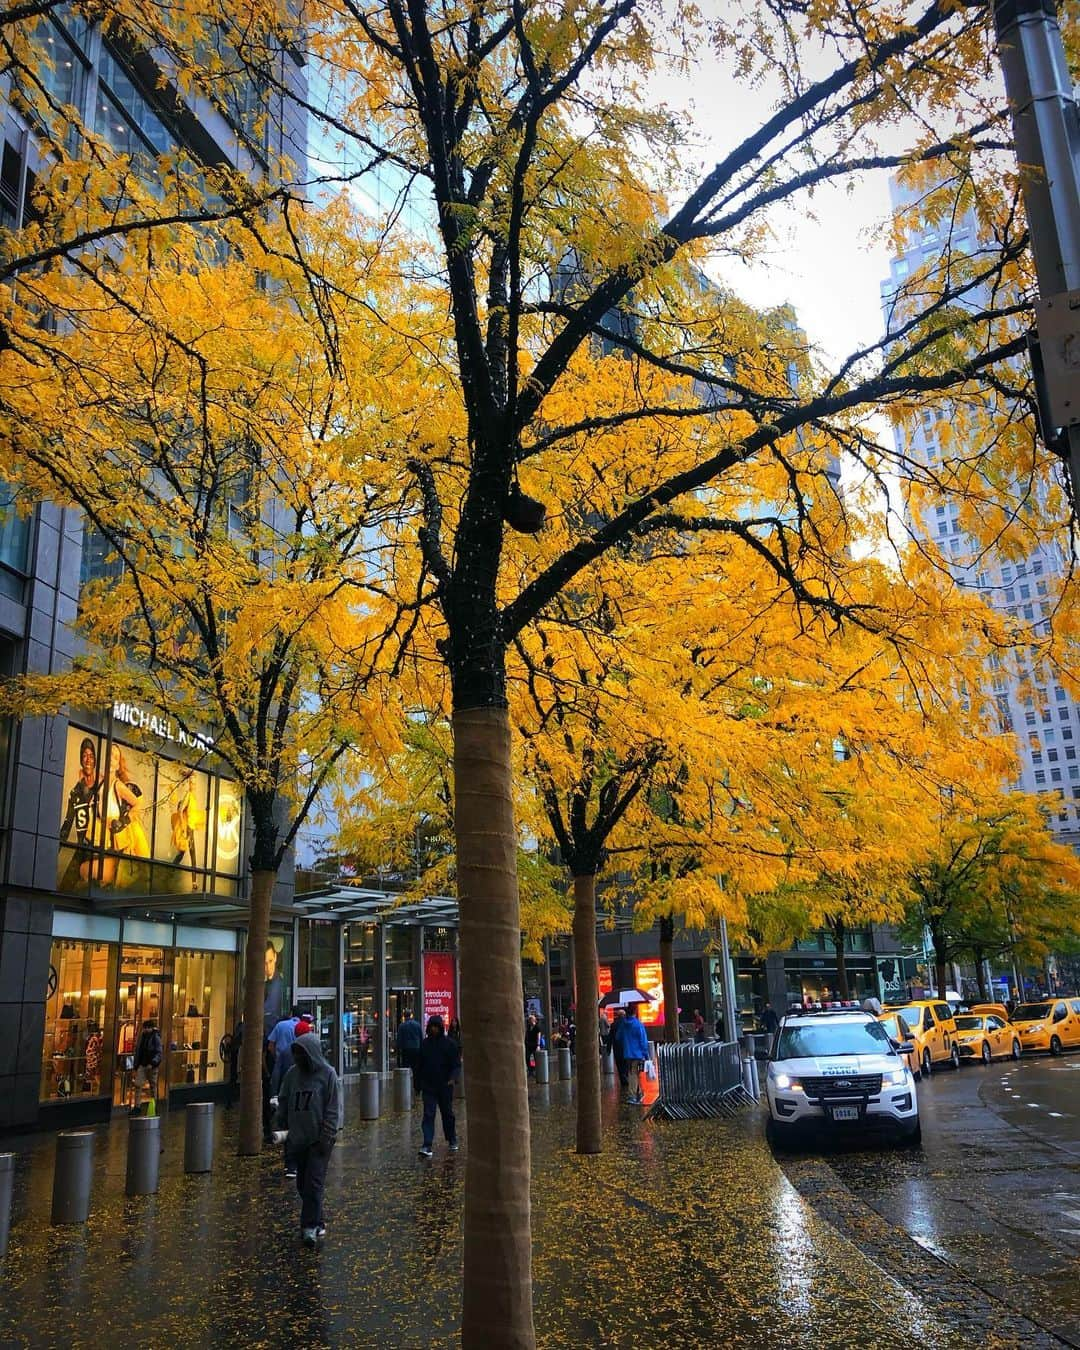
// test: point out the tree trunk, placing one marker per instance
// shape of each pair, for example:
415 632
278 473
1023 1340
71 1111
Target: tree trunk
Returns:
497 1292
980 975
843 989
941 970
251 1050
667 973
588 1043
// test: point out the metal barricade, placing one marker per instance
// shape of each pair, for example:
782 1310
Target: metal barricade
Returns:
699 1080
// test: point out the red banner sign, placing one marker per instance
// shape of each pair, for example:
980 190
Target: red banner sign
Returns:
649 978
439 986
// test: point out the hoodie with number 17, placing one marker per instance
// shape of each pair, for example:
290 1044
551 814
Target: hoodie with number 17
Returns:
309 1102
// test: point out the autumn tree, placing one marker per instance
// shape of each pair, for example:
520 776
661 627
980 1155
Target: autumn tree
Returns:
993 879
565 211
189 407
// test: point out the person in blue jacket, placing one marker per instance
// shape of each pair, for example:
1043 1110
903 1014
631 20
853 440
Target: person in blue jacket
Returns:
632 1042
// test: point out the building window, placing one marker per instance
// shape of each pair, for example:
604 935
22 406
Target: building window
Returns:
14 544
1040 776
318 963
203 984
1055 775
80 1013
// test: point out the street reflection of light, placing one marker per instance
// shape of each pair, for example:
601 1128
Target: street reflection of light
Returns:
794 1256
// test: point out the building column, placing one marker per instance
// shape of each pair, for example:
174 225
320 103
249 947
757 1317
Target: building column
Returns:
382 1044
776 982
418 968
25 944
340 1038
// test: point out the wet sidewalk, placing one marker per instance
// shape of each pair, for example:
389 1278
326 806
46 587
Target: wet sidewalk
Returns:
678 1235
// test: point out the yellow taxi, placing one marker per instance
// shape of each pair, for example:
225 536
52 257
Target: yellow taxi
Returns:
985 1036
991 1010
900 1033
1051 1024
932 1030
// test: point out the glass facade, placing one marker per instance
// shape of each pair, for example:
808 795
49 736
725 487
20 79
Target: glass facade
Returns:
80 1016
137 822
360 1015
14 544
203 1014
317 966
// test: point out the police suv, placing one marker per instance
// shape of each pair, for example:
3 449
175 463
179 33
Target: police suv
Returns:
835 1070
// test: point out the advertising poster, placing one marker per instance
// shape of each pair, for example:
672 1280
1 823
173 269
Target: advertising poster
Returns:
604 986
277 978
135 822
649 978
439 986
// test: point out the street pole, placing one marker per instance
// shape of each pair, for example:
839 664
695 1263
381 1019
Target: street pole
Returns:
731 1016
1046 131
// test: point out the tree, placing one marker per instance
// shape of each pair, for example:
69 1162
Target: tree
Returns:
524 125
188 407
993 879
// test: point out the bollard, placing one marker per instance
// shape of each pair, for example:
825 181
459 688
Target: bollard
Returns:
7 1178
750 1073
143 1155
541 1058
566 1064
403 1081
71 1178
198 1137
369 1096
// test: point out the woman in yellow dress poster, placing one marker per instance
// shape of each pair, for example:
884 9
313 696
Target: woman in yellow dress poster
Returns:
125 833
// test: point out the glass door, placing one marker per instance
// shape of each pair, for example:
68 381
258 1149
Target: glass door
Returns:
143 997
320 1009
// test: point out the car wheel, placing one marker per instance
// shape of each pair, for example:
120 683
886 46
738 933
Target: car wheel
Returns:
1017 1049
1055 1045
777 1137
987 1056
914 1138
954 1058
927 1062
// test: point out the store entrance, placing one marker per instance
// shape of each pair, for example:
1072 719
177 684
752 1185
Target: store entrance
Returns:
403 1003
320 1008
144 996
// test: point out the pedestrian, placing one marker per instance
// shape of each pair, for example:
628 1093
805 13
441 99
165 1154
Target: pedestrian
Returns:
699 1026
148 1056
437 1067
454 1030
769 1019
634 1042
304 1026
308 1119
615 1041
230 1051
280 1041
409 1037
365 1044
532 1042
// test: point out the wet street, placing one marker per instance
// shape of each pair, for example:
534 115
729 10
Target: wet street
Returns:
992 1199
678 1235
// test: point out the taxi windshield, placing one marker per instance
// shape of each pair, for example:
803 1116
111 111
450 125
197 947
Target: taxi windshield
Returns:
969 1024
912 1016
833 1038
1029 1012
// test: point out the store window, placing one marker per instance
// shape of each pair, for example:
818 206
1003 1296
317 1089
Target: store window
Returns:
139 823
318 954
359 1016
80 1015
203 1014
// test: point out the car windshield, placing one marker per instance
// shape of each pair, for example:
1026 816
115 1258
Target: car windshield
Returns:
892 1026
912 1016
833 1038
1028 1012
969 1024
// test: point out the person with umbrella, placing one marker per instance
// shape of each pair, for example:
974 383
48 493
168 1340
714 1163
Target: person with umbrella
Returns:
633 1041
615 1042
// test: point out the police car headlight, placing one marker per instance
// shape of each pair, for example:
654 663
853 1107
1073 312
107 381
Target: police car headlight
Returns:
896 1078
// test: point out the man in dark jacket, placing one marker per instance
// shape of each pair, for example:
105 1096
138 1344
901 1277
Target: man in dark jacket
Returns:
409 1037
435 1073
148 1056
532 1042
308 1119
615 1041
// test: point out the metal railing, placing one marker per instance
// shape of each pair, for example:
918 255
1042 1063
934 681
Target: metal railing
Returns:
699 1080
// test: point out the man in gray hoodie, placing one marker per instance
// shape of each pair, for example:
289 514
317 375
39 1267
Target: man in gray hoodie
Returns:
308 1119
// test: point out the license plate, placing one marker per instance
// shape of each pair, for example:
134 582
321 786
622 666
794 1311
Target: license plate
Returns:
845 1113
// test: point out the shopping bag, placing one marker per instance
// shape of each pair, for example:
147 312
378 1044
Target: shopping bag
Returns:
650 1070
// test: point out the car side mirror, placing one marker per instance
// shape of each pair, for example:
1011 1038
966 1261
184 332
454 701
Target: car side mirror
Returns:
907 1048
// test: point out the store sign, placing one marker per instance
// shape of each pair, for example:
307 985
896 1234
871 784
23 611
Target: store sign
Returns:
160 725
649 978
439 986
604 986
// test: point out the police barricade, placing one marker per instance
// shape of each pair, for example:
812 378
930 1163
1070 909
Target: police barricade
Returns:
698 1080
